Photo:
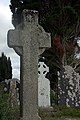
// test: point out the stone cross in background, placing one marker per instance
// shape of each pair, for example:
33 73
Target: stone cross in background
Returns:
27 39
43 86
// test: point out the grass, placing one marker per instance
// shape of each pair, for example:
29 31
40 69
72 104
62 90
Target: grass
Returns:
58 112
62 118
61 113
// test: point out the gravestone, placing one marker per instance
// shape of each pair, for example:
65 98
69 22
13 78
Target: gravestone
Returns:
43 86
14 92
69 87
27 39
13 95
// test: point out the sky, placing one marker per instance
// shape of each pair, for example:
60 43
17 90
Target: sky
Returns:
5 25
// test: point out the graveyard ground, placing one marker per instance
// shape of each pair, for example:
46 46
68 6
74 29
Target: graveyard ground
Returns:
61 113
58 113
63 118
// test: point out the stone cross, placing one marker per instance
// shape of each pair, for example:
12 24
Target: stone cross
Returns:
43 86
27 39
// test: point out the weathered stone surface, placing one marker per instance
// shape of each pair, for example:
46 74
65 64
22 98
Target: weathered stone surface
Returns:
69 87
14 93
26 40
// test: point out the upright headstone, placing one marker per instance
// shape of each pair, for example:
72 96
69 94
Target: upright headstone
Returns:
43 86
69 87
14 91
27 39
13 95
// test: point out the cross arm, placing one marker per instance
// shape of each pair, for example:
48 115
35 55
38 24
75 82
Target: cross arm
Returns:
44 38
13 38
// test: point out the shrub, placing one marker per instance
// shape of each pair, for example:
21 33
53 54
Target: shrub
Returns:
6 111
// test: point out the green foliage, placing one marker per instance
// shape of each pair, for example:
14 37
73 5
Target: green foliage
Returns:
53 97
5 68
59 18
17 6
56 16
6 111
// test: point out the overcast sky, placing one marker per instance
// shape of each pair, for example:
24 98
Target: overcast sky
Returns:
5 25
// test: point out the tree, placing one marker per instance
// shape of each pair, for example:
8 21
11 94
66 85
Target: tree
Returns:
5 68
17 6
61 18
